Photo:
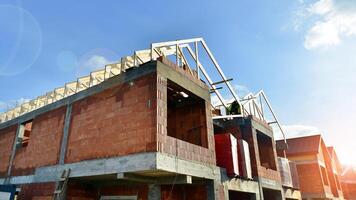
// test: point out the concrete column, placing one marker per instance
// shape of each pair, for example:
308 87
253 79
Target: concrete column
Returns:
261 197
212 187
154 192
64 141
20 128
226 192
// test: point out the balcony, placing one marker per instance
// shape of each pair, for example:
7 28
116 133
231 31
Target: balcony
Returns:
289 174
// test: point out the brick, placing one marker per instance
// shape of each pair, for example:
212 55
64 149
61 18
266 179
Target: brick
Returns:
118 121
44 143
36 191
310 178
7 137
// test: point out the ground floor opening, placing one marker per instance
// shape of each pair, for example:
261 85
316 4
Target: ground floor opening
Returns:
269 194
95 189
236 195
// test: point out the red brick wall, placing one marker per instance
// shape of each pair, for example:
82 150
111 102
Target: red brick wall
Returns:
333 185
188 123
175 146
310 178
117 121
269 173
183 70
82 192
140 190
245 133
251 139
248 133
177 192
349 190
77 191
44 143
181 192
234 130
7 136
36 191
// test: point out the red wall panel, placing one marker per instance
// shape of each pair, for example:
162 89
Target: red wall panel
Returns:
226 153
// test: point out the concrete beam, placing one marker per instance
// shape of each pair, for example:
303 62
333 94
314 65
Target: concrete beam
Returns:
242 185
125 164
164 180
170 163
239 184
179 179
130 163
292 193
262 128
138 178
270 184
183 81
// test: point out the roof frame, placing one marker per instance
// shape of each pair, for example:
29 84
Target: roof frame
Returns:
251 104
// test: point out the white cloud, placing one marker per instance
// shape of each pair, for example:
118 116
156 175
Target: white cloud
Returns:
296 130
96 62
321 7
322 34
331 21
300 15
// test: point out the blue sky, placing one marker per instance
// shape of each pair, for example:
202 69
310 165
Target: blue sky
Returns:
301 53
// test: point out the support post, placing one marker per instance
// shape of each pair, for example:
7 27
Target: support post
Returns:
212 187
65 134
196 59
154 192
20 128
177 56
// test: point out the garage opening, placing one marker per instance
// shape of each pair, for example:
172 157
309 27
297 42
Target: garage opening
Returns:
265 149
186 115
234 195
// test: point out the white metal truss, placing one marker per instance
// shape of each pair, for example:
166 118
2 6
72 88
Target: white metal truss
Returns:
157 50
177 48
171 48
257 105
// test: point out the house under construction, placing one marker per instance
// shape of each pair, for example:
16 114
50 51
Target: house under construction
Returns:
145 128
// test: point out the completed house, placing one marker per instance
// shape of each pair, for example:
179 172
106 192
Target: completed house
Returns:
348 182
317 167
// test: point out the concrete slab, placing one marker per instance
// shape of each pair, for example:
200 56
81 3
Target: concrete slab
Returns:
131 163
